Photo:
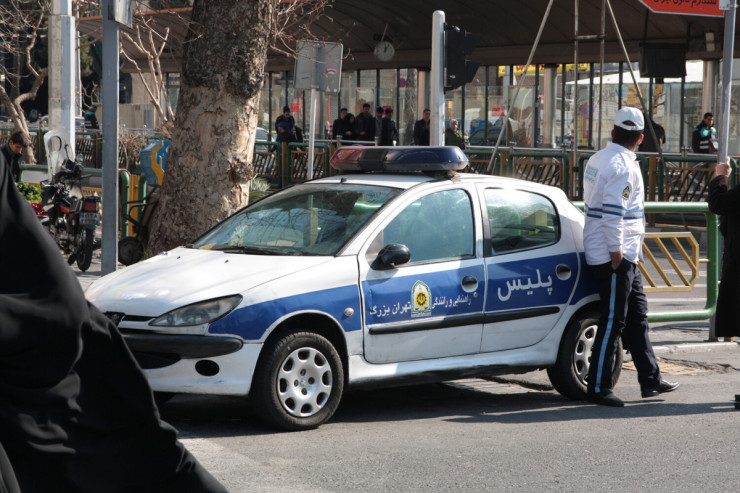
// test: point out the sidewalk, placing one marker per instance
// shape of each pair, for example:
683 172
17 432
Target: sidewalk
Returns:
673 337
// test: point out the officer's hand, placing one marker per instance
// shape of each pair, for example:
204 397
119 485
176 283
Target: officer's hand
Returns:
723 169
616 259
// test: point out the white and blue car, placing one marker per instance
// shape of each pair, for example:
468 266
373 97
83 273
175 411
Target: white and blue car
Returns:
398 270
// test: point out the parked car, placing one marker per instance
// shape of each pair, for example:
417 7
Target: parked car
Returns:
479 137
365 279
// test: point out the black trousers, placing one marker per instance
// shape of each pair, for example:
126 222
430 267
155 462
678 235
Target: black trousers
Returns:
623 312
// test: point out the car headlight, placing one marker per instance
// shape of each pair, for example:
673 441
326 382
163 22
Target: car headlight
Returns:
199 313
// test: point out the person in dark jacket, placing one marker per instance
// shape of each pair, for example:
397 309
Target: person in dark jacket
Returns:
365 124
726 203
285 117
388 130
76 412
422 129
91 121
349 129
11 151
285 133
704 137
337 128
648 143
454 136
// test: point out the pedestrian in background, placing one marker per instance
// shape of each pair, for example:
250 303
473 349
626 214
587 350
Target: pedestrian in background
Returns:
704 137
648 143
726 203
422 129
378 123
285 117
91 120
349 135
388 130
365 124
11 151
337 128
613 236
454 136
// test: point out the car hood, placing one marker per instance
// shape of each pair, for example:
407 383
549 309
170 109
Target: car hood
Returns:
183 276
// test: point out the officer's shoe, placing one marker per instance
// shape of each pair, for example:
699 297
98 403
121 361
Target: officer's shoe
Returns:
663 386
606 399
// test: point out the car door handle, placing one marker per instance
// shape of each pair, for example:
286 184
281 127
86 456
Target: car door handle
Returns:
563 272
469 283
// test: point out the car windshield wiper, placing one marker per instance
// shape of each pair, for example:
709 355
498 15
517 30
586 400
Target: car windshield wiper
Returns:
254 249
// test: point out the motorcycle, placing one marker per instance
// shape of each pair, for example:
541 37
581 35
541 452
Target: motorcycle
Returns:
71 217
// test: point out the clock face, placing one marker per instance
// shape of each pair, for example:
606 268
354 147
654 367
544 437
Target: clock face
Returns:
384 51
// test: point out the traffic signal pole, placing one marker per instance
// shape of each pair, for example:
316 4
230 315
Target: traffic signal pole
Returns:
437 124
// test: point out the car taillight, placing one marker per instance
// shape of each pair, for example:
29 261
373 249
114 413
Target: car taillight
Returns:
91 206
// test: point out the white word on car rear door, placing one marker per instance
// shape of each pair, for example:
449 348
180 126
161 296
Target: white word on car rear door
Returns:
531 265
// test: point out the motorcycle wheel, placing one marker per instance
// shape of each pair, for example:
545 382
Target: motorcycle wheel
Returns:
130 250
85 250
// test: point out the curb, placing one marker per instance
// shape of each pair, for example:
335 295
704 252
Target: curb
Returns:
694 347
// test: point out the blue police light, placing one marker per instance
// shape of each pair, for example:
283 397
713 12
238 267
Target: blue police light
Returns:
410 158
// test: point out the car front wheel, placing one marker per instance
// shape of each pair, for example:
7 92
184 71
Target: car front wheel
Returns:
569 376
299 382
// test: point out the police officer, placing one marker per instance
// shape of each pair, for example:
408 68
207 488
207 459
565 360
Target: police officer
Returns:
613 237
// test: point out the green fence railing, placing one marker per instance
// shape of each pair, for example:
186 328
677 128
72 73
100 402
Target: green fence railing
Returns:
712 261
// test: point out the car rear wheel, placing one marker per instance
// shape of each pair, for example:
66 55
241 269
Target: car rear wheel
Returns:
569 376
299 382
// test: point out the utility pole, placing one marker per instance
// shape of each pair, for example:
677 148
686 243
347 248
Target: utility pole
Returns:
62 71
437 127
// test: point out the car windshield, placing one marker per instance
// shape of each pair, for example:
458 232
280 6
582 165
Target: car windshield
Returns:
309 219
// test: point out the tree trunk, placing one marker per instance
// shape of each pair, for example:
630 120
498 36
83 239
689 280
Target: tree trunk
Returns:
209 165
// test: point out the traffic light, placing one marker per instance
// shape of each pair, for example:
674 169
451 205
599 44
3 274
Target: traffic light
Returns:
458 45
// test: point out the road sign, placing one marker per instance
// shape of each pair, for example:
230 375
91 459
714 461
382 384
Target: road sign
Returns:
318 66
685 7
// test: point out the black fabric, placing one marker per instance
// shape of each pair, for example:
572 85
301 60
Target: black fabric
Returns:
76 412
13 160
623 312
727 203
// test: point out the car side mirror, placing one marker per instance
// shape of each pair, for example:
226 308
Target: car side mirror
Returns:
390 256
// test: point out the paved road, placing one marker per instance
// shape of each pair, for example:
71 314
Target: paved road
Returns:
509 433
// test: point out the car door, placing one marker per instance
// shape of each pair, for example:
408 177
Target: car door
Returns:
532 267
432 306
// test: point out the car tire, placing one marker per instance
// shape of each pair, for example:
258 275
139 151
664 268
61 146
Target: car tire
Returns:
298 382
569 376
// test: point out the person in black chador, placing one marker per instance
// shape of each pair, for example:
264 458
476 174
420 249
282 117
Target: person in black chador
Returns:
726 202
76 412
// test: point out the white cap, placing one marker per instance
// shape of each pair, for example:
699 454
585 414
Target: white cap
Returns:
630 118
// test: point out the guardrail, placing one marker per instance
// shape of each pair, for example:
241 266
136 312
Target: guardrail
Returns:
693 261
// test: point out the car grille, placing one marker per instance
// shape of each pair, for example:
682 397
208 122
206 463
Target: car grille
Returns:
118 317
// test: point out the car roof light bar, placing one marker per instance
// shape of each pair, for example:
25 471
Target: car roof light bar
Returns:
409 158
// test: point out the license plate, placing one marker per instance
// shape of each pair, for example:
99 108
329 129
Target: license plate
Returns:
89 218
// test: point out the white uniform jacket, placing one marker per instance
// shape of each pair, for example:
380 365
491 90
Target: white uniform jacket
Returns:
613 193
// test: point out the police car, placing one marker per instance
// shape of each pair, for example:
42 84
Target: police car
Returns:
398 270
